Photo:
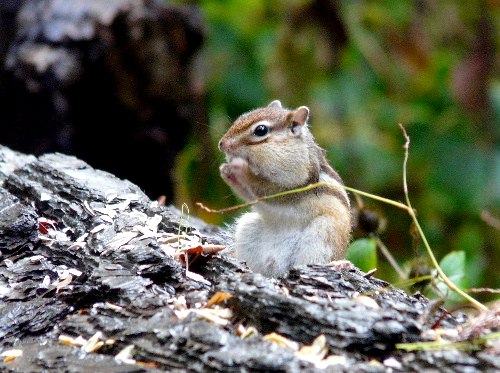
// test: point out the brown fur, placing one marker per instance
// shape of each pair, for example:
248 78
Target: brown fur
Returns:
286 158
259 157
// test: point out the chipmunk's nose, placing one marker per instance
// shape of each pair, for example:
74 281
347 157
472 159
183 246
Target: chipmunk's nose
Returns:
224 145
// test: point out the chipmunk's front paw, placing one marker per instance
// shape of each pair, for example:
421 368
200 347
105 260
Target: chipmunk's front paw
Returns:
234 171
339 265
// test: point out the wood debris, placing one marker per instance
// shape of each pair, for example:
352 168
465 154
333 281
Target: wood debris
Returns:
217 298
9 355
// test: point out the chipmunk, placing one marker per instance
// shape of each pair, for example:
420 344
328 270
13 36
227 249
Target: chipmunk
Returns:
271 150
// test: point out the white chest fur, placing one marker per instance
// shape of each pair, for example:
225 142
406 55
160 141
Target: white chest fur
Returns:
273 238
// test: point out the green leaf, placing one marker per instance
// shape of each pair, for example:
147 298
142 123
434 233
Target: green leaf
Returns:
453 265
363 253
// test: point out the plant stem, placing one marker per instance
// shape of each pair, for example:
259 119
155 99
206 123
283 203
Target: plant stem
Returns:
471 345
390 258
300 190
435 263
375 197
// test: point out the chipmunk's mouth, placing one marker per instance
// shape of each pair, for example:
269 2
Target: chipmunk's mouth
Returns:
231 157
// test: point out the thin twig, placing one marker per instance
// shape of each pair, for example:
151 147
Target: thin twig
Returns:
385 251
184 205
483 290
410 210
413 280
490 219
300 190
226 210
471 345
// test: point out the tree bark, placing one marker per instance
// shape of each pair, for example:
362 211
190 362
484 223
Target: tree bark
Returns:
59 217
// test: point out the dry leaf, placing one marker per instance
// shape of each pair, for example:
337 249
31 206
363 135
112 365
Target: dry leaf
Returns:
316 354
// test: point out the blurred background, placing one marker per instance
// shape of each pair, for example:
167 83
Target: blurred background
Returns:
145 89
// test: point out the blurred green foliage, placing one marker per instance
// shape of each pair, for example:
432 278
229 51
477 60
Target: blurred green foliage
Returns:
453 265
362 68
363 253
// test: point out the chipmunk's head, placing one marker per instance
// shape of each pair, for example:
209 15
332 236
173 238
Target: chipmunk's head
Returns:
265 130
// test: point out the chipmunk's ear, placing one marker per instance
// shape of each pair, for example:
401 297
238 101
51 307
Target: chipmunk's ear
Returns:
276 104
300 116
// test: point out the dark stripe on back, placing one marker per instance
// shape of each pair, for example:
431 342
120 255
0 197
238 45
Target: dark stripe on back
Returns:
327 169
341 196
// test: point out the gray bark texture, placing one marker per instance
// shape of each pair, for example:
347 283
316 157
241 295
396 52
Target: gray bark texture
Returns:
83 254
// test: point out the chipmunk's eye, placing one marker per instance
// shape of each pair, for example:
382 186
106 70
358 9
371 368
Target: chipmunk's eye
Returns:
261 130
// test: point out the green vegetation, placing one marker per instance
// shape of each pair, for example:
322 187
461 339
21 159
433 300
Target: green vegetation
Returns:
362 68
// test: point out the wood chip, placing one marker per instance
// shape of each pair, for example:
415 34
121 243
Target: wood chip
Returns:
217 298
122 206
77 245
110 195
94 343
120 239
145 231
105 211
314 352
107 219
113 307
10 355
219 316
245 332
36 258
282 341
367 301
153 222
63 283
89 209
82 237
98 228
198 278
212 249
125 355
75 272
67 340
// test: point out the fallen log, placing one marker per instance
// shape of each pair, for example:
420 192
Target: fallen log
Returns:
96 277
